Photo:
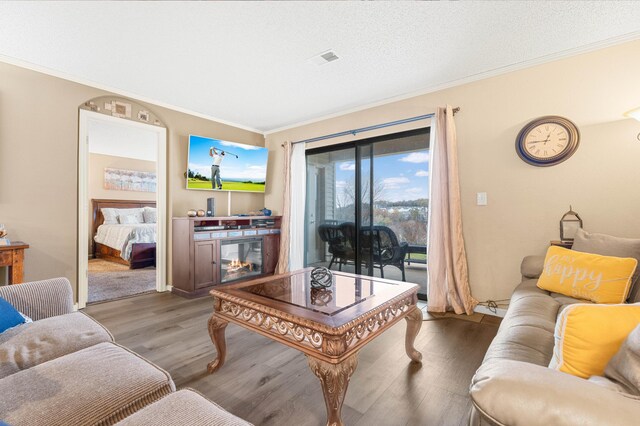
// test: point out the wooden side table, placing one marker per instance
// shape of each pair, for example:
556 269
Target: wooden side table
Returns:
564 244
13 257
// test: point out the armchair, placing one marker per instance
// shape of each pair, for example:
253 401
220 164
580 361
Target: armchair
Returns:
381 247
339 247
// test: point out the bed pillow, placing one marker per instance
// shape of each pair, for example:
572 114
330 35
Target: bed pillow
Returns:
9 316
587 336
130 216
600 279
130 219
150 215
110 216
608 245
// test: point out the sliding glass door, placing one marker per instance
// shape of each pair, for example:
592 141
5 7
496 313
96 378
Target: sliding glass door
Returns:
367 207
331 180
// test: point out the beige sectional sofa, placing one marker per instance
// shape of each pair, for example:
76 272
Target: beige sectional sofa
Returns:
514 385
65 369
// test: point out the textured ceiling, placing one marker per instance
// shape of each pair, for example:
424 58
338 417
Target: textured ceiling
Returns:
246 62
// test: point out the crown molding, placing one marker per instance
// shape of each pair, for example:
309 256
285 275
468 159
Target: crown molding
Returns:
86 82
610 42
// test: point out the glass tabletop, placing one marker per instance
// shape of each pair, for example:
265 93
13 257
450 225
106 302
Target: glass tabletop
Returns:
346 290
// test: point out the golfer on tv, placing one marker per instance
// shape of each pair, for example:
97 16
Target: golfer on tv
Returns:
215 167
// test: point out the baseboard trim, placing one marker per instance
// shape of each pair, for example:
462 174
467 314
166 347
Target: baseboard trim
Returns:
481 309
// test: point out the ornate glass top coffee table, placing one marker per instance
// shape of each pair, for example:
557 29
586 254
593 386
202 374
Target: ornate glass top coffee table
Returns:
329 325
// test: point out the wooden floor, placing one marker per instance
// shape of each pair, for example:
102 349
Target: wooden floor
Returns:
268 383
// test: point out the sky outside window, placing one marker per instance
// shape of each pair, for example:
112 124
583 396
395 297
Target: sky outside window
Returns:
398 177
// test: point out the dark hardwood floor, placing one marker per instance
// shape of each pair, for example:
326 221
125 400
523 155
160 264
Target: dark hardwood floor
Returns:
268 383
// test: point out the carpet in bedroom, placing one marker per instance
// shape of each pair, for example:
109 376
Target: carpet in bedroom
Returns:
110 281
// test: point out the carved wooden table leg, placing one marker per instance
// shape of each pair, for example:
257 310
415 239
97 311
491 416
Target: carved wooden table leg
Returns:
414 322
217 327
334 379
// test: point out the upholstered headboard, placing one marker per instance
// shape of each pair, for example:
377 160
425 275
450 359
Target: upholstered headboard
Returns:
98 219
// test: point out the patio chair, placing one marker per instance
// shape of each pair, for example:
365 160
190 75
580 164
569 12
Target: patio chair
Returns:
380 245
339 247
348 229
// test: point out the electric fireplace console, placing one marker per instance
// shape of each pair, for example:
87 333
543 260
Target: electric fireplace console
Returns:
209 251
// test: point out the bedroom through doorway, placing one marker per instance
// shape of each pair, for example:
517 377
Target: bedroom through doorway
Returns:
121 205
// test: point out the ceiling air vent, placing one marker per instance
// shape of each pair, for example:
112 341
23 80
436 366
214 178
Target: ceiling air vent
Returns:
324 58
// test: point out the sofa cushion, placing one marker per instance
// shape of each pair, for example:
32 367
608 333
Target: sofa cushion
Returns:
521 394
26 346
587 336
565 301
526 332
624 367
601 279
185 407
97 385
609 245
528 288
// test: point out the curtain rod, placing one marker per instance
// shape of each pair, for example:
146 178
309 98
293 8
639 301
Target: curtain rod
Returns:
369 128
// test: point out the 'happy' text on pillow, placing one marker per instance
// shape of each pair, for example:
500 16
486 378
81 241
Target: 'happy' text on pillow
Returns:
557 265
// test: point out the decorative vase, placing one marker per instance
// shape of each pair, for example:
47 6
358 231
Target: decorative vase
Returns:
191 213
200 213
266 212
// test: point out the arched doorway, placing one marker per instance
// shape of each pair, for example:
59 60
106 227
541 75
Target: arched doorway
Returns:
119 190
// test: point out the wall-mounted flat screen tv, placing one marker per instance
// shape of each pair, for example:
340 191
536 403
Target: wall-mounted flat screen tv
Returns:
219 165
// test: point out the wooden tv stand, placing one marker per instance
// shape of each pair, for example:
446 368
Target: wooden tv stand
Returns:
196 245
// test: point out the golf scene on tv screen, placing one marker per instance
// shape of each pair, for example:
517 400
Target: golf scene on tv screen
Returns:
219 165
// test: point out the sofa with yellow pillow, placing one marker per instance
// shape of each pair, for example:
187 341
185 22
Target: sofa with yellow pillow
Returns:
568 350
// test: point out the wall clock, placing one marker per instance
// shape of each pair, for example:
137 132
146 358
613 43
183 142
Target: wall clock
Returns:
547 141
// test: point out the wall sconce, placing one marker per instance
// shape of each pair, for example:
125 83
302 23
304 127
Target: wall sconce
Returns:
634 113
569 225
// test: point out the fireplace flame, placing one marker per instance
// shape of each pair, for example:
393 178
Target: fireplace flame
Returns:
236 265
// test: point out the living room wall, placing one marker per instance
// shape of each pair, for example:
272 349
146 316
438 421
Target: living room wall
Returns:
38 166
525 203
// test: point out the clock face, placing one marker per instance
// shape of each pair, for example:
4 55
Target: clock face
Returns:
547 141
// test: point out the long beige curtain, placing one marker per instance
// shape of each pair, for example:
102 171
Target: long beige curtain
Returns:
448 275
285 232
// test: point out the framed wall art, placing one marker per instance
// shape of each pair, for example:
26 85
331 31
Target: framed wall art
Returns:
129 180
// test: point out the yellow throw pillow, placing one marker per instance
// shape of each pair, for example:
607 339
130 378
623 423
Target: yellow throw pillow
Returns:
601 279
587 336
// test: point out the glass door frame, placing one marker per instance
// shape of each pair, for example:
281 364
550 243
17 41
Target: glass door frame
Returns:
359 146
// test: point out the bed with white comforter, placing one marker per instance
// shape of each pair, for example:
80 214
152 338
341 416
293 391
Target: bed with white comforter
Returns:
122 237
